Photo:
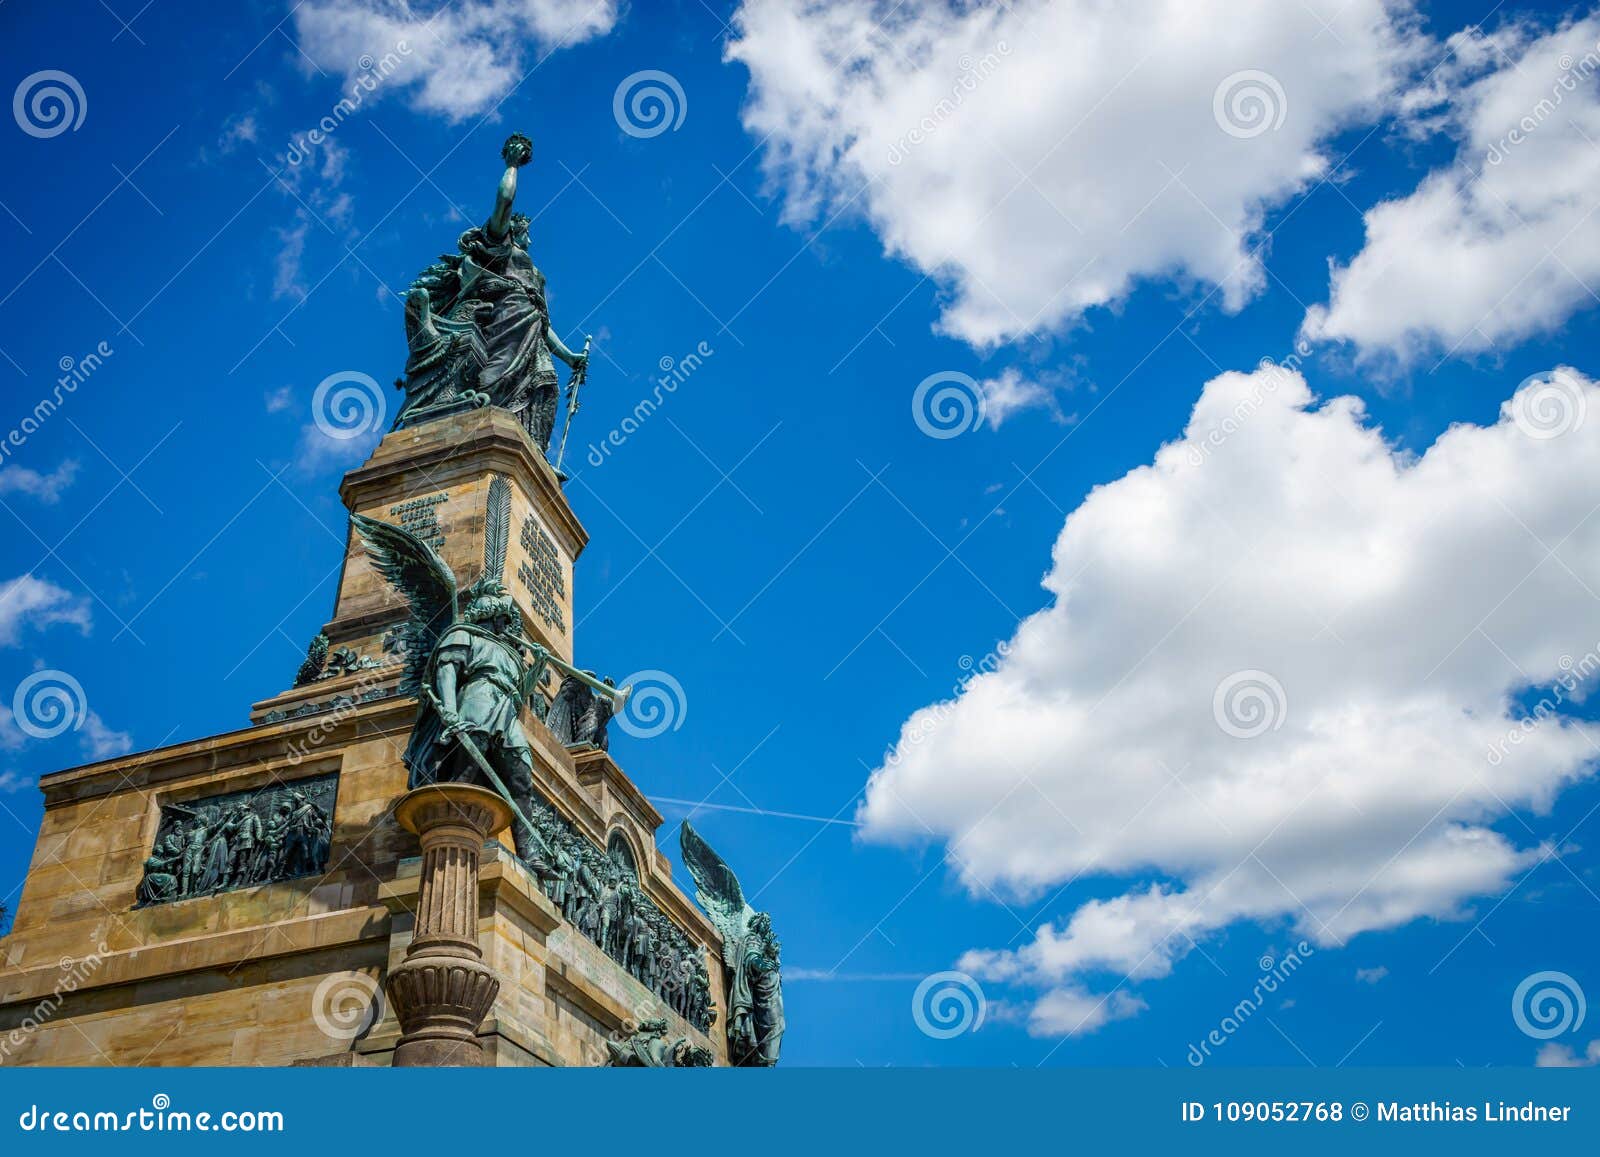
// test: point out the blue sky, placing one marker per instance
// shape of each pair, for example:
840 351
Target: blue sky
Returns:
785 538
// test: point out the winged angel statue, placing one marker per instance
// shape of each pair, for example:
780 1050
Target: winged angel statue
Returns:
467 662
750 955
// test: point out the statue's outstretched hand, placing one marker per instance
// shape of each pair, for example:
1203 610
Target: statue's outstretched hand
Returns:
517 151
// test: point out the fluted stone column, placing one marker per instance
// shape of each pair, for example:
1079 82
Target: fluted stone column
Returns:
442 990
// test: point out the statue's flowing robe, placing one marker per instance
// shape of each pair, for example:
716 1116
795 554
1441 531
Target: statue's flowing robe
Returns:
520 375
757 991
766 990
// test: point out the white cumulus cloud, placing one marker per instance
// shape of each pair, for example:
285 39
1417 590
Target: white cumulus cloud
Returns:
1040 158
1276 684
456 59
1503 243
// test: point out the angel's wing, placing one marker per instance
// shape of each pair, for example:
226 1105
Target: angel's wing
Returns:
716 887
413 569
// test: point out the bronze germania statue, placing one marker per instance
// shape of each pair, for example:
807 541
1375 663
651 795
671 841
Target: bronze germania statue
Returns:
478 325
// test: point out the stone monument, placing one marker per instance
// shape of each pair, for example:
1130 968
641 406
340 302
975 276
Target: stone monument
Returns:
421 852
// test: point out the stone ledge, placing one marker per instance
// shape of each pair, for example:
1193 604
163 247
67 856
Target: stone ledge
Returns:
205 755
198 953
596 766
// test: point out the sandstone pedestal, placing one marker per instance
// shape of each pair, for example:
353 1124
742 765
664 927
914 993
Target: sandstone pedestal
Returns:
442 990
464 937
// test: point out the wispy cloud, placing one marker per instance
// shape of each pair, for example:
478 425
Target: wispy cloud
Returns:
45 487
29 602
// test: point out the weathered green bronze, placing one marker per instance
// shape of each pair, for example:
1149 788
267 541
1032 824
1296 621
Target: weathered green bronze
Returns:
600 895
478 326
750 955
316 659
472 669
465 660
239 840
647 1048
